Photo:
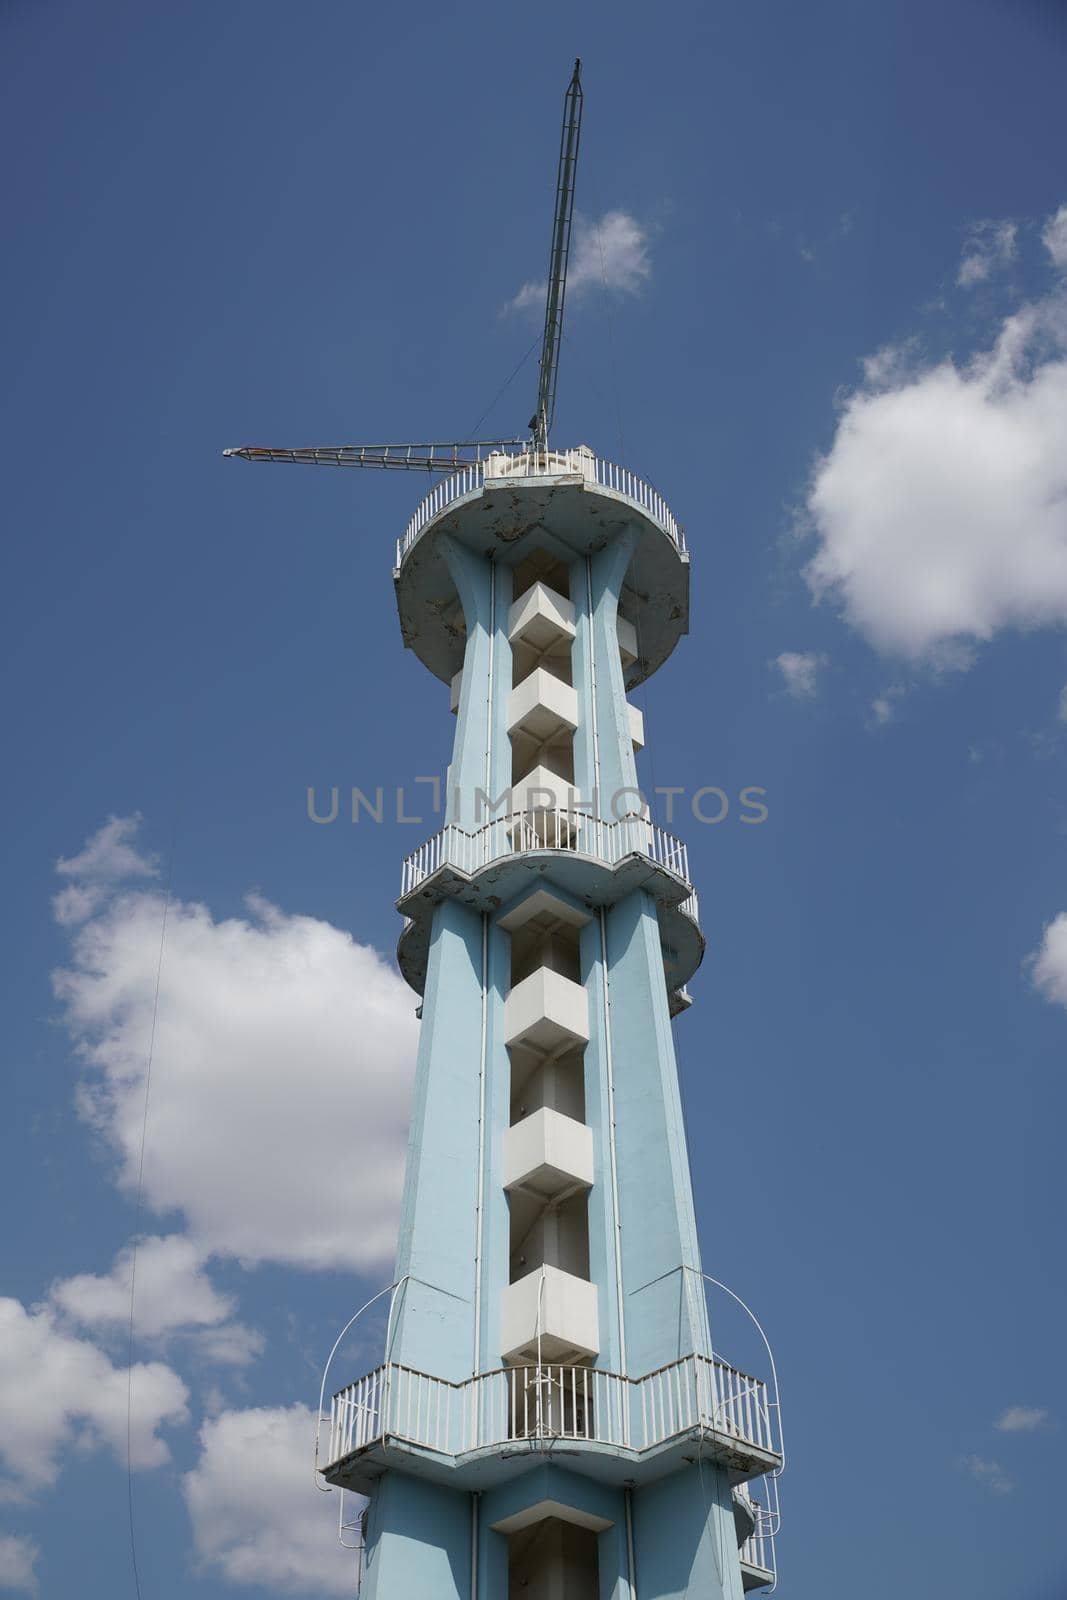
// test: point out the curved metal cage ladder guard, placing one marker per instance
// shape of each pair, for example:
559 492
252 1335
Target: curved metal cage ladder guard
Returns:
321 1418
758 1550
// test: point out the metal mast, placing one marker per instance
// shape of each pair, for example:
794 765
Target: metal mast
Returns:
541 421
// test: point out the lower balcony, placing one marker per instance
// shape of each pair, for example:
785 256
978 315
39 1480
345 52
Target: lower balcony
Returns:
623 1429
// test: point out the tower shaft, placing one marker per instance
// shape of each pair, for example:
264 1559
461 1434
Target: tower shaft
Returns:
549 1417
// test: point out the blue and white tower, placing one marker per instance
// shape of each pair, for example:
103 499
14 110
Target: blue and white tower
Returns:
549 1420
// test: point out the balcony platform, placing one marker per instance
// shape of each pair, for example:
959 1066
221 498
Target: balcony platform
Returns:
569 501
452 869
478 1434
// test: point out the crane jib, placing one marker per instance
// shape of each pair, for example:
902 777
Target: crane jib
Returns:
448 457
559 257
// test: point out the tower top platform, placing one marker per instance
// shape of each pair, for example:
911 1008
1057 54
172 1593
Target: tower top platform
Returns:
571 503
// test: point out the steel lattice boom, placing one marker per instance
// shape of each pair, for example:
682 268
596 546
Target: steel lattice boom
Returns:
399 457
448 457
541 421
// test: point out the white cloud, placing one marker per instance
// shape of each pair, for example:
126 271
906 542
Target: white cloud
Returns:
1021 1419
173 1294
18 1558
270 1527
1061 709
1048 963
990 246
884 705
990 1474
611 252
280 1082
941 506
172 1290
1054 237
108 857
800 672
232 1344
59 1393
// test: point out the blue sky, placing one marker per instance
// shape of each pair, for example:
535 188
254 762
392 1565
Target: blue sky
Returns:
834 338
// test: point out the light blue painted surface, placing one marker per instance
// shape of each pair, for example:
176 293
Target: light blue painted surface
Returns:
683 1524
658 1228
433 1321
684 1537
418 1542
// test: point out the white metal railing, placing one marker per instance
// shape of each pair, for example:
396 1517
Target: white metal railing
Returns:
547 828
532 464
576 1403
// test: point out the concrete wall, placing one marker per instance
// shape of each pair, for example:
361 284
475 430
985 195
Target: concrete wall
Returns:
418 1542
684 1537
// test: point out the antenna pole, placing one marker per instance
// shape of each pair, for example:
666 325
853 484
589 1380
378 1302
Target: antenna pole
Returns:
541 421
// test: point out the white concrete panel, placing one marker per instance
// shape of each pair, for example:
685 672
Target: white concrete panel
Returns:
541 788
541 903
546 1011
542 706
548 1154
551 1508
637 726
627 640
541 618
454 689
562 1307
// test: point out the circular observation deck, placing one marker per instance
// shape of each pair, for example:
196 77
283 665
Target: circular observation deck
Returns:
570 502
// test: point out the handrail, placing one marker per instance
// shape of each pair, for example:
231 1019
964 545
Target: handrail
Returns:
770 1356
548 828
530 463
547 1401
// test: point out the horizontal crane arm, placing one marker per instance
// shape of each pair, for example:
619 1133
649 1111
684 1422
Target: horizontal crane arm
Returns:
400 457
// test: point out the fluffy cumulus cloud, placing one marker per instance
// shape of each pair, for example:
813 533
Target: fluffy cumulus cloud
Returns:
18 1561
990 1474
611 252
172 1293
1054 236
800 672
270 1526
1021 1419
109 857
990 247
1048 963
280 1080
60 1393
940 509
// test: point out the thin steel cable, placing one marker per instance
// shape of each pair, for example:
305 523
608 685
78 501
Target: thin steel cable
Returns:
505 385
137 1220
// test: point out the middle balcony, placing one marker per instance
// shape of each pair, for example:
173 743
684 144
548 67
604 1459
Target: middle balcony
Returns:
595 861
